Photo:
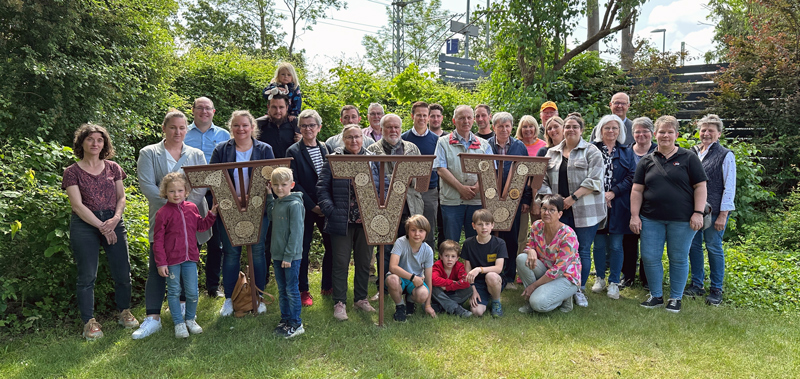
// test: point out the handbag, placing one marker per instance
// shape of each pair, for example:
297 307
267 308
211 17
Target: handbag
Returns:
241 297
706 210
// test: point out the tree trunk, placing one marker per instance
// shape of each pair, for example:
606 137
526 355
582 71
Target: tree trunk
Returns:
627 51
593 21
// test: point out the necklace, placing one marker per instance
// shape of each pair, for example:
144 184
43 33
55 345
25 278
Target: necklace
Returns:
666 156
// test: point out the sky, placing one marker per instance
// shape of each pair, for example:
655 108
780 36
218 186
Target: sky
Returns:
339 36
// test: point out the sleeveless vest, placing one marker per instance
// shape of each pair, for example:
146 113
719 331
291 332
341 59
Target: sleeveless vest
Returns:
712 165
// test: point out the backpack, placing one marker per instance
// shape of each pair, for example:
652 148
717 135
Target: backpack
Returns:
241 298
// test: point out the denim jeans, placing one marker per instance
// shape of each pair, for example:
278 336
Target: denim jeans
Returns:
678 236
232 256
183 273
548 296
85 241
608 244
585 239
312 219
155 287
288 291
716 256
456 217
214 253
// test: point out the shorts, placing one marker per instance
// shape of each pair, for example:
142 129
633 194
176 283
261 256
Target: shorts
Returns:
407 286
483 290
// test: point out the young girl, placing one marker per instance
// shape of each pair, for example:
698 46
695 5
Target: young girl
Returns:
286 83
175 249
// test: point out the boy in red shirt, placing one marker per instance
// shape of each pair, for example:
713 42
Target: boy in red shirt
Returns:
450 286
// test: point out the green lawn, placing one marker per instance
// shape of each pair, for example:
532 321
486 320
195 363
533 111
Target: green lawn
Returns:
608 339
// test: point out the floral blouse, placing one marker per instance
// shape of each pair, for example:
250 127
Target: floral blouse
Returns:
560 256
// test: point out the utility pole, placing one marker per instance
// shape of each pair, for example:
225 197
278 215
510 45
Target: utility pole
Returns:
466 37
398 32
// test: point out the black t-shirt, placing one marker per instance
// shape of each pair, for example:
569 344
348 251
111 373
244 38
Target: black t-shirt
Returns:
483 255
669 198
485 136
279 137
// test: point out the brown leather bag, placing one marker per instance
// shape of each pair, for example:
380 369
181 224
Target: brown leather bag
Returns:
242 299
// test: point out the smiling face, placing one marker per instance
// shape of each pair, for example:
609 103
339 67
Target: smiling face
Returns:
642 135
353 140
176 192
610 132
482 117
556 132
392 127
619 105
502 130
285 77
572 131
203 111
463 121
175 130
666 136
282 189
350 116
547 114
277 109
416 235
374 116
308 128
449 258
528 132
709 134
435 119
93 144
421 118
241 129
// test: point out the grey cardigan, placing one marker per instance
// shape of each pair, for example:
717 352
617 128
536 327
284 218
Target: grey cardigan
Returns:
152 167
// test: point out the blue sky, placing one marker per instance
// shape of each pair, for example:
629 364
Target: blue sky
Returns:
340 35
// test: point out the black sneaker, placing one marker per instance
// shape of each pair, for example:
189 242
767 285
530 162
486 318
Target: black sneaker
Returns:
410 308
280 329
653 302
714 297
437 308
293 331
673 305
461 312
400 312
694 291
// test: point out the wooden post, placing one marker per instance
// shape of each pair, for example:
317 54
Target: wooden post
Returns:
381 248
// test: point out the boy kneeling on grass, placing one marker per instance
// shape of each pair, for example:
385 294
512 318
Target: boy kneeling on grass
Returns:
410 269
484 255
287 214
450 286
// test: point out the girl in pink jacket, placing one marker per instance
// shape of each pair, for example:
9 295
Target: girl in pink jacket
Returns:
175 249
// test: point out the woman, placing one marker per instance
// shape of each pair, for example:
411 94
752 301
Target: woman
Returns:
337 200
643 131
242 147
97 196
155 162
667 202
550 267
575 172
528 133
609 137
553 134
720 167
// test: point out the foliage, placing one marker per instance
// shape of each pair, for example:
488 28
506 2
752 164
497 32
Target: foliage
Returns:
308 11
760 88
213 28
262 18
69 62
36 263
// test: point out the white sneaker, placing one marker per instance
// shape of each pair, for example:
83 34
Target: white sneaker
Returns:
525 309
599 285
581 300
262 308
613 291
193 327
180 331
227 308
149 326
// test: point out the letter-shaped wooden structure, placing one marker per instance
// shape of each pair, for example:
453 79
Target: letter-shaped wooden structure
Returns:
381 216
241 214
503 205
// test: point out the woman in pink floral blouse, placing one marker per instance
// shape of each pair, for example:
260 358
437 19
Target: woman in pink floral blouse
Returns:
550 266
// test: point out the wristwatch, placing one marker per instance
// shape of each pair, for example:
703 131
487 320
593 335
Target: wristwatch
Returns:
574 197
700 213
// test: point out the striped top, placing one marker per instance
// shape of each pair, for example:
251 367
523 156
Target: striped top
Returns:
316 157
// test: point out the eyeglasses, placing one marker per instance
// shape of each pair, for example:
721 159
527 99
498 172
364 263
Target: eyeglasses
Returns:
549 210
618 103
206 109
308 126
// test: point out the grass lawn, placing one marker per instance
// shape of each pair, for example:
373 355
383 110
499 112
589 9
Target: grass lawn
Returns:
610 338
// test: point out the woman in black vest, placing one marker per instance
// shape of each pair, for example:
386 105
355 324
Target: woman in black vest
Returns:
720 167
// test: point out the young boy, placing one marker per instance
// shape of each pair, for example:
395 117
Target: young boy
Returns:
287 214
450 286
484 255
410 269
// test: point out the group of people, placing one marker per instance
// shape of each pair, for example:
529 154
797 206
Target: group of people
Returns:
616 192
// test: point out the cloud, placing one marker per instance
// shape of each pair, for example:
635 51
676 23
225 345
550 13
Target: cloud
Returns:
678 12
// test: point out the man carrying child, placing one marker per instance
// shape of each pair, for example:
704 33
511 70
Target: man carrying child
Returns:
484 255
410 269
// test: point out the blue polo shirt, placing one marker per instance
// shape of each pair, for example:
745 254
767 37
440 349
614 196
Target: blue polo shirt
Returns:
206 141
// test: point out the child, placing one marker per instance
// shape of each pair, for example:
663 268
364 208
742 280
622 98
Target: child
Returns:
410 269
286 83
287 214
484 255
175 249
450 286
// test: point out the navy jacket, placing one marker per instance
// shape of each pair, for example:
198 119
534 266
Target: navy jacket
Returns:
279 137
516 148
619 215
225 152
334 197
305 176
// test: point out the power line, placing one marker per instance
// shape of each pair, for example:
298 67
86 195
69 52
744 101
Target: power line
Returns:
353 22
347 27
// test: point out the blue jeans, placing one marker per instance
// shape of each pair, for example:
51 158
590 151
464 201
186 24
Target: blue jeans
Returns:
185 273
455 217
608 244
585 238
288 291
232 256
678 236
85 241
716 256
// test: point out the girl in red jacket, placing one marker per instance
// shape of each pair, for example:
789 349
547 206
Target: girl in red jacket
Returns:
175 249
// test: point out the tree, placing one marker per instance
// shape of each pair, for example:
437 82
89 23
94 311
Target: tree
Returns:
308 11
210 27
262 15
426 26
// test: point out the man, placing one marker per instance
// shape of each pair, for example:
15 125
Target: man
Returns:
275 128
392 144
309 155
374 116
482 116
547 111
435 118
619 105
459 194
425 140
204 135
348 115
